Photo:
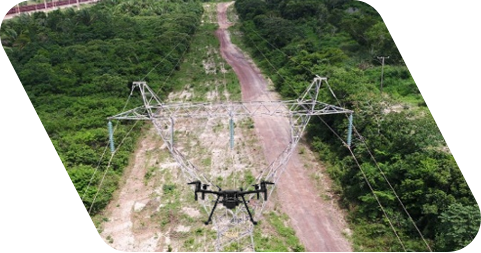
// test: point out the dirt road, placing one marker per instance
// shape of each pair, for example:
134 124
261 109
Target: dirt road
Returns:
134 194
317 224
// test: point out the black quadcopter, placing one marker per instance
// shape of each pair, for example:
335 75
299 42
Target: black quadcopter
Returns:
230 198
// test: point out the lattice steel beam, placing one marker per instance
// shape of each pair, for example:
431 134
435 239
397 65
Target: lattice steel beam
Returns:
298 112
228 109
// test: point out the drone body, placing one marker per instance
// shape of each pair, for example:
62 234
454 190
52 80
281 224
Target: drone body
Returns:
230 198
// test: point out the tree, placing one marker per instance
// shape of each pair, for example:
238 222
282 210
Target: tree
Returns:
295 9
277 30
248 9
458 227
402 40
357 25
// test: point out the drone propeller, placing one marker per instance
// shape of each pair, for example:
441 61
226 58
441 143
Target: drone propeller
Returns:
197 184
264 188
197 187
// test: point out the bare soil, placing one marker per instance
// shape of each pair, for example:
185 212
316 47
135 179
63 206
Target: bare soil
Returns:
318 223
133 196
135 213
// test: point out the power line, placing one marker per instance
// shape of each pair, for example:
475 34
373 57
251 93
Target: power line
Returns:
89 184
393 190
369 184
168 54
360 136
109 165
123 109
83 198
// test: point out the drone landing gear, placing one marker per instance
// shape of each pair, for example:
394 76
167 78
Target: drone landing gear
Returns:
248 211
212 212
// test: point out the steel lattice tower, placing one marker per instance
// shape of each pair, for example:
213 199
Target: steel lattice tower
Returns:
233 226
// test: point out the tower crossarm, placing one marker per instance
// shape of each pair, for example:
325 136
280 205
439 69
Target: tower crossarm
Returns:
226 110
297 112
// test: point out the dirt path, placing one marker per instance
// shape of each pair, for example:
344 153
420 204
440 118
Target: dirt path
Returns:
317 222
118 232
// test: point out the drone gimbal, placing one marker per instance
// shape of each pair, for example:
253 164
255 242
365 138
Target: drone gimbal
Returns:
230 198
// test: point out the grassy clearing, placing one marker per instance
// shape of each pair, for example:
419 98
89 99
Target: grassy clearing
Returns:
273 235
204 74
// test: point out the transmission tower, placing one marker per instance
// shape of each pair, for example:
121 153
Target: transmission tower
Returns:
233 226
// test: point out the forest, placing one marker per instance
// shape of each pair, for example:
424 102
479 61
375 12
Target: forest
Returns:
414 172
75 67
396 142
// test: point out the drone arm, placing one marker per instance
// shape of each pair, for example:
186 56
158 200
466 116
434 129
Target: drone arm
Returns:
249 192
207 191
211 192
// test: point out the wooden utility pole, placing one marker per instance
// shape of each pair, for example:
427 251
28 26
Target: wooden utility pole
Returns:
382 58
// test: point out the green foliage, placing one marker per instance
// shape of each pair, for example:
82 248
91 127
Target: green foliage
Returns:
357 24
340 40
402 40
248 9
278 30
450 12
297 9
76 65
284 238
459 225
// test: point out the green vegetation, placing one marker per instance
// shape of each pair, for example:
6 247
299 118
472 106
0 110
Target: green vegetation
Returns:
206 69
76 65
341 39
279 238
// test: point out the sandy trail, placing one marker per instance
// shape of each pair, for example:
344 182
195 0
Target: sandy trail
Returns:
317 224
133 195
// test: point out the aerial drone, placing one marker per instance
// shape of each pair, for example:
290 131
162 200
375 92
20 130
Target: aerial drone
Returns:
230 198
